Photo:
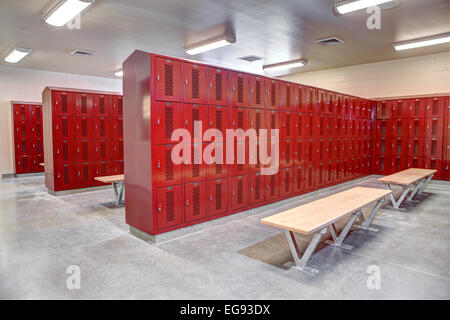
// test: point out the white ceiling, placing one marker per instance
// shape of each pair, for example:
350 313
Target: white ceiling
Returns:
276 30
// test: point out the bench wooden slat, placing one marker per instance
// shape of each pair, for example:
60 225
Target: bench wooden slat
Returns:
407 177
111 179
316 215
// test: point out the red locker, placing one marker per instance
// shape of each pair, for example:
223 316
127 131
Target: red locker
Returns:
117 149
399 163
23 164
22 129
415 162
195 201
311 99
85 151
65 151
296 105
434 127
239 89
65 176
257 119
218 170
417 107
168 79
85 174
337 128
84 104
321 101
329 108
272 122
344 128
434 163
102 169
337 104
167 172
416 128
320 174
117 167
433 147
415 147
287 95
383 110
37 146
298 179
102 150
238 194
399 146
84 128
287 148
217 196
102 105
299 125
23 146
273 94
257 92
117 106
399 109
287 125
356 108
195 83
356 146
36 130
384 146
102 128
272 187
21 112
297 158
364 111
400 128
35 163
303 94
239 118
192 113
218 87
435 107
63 103
238 169
197 169
309 127
309 177
218 119
256 188
168 119
64 127
384 128
117 128
35 113
286 176
169 207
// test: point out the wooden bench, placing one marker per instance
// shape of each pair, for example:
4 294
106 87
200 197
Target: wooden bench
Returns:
411 179
317 216
118 184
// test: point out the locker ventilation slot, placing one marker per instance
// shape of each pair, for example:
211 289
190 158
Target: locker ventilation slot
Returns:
288 96
273 123
84 105
218 169
218 87
299 179
240 192
85 151
66 175
170 216
286 185
258 92
195 84
65 129
169 165
218 196
273 95
257 187
399 109
415 163
416 108
103 169
435 108
120 106
103 150
219 120
240 120
257 122
120 128
102 128
102 105
168 79
416 128
65 152
85 173
272 185
310 177
416 147
84 130
433 147
288 126
196 201
195 117
64 104
168 118
434 128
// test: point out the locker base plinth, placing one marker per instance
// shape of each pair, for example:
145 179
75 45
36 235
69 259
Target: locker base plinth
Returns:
75 191
32 174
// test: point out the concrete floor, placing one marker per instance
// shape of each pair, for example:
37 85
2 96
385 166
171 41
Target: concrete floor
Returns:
41 235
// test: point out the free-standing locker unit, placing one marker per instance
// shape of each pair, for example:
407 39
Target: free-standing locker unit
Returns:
83 137
27 136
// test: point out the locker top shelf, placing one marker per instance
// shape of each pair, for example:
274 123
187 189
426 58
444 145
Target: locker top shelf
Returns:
407 177
27 103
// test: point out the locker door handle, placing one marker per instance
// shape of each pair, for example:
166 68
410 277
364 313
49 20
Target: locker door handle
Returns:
187 122
160 207
159 165
211 196
186 82
187 201
234 192
157 77
158 121
59 175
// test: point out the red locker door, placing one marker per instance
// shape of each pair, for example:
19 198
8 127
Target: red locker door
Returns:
399 163
256 188
434 163
435 107
309 127
417 107
286 182
21 112
117 106
286 153
400 128
238 194
117 149
85 151
37 146
399 109
287 95
167 172
319 172
272 122
117 167
102 150
84 128
257 120
319 126
311 100
239 118
400 147
195 83
416 128
197 169
433 147
218 170
384 128
22 129
257 92
337 126
218 87
195 112
384 146
308 150
287 125
168 119
239 89
344 128
218 119
337 100
272 187
64 127
383 110
117 128
36 130
85 174
298 179
298 123
297 146
102 105
168 79
217 197
23 146
434 127
65 177
169 207
238 168
309 177
35 163
415 162
321 100
102 128
195 201
35 113
273 94
63 104
102 169
23 164
415 147
84 104
302 97
296 97
65 151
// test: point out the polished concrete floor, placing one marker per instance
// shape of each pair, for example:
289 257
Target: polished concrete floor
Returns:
42 235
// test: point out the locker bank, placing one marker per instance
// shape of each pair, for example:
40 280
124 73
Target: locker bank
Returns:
210 150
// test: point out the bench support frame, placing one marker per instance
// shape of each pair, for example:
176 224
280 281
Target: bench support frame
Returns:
119 187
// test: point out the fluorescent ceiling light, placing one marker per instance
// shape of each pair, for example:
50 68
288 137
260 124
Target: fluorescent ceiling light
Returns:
285 65
119 73
344 7
210 44
16 54
423 42
65 10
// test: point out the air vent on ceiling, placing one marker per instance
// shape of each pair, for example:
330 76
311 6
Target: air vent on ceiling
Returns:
329 41
250 58
82 53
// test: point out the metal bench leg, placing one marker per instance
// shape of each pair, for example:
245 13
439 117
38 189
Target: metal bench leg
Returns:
425 183
365 223
337 240
118 191
416 188
396 203
300 263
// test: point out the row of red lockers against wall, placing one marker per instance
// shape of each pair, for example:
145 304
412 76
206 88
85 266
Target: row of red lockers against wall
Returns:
177 81
28 140
412 108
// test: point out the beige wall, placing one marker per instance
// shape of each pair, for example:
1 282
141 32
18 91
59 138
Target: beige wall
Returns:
395 78
18 84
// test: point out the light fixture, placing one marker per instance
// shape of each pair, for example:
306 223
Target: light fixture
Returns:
422 42
16 54
65 10
285 65
344 7
119 73
210 44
